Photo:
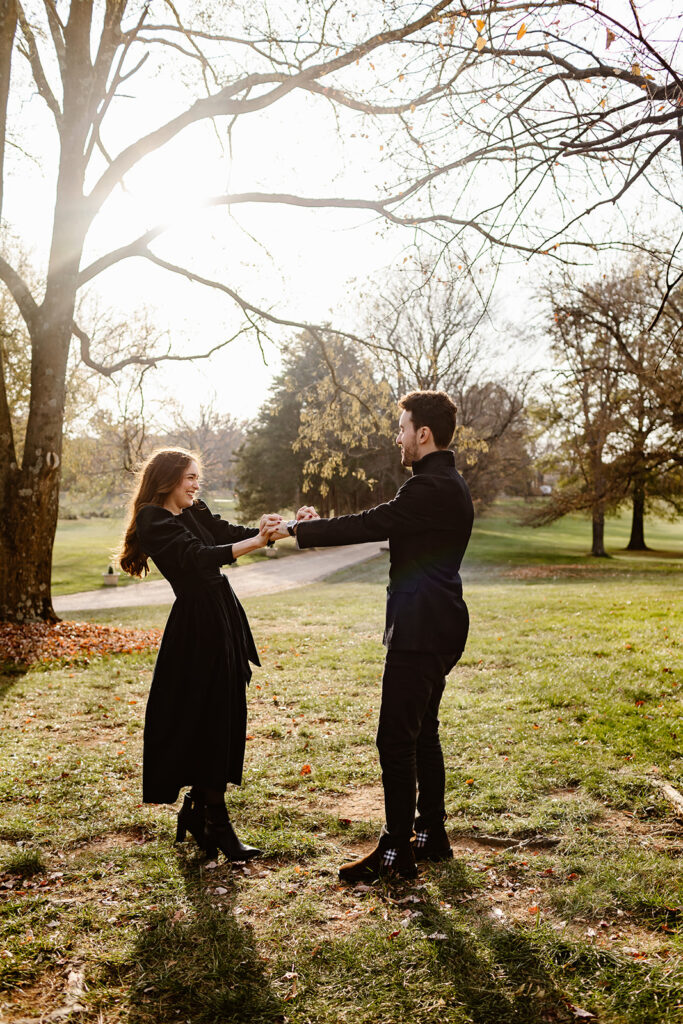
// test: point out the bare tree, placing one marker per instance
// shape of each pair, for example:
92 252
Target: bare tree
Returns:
215 435
456 90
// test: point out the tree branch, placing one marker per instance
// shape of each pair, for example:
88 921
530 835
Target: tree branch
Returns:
225 102
33 56
20 292
140 360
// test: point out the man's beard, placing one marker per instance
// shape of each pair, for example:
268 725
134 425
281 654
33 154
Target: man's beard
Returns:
408 455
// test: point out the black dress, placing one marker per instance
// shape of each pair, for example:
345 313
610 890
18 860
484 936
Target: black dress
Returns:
196 718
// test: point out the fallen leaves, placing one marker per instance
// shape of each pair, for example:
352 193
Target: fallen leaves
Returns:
31 642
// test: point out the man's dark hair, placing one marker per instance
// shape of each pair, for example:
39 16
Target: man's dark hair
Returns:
433 409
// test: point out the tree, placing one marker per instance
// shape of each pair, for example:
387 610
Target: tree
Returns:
602 329
81 57
430 329
322 436
583 408
215 435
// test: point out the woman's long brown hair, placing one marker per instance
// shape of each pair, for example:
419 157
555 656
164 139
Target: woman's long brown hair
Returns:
162 471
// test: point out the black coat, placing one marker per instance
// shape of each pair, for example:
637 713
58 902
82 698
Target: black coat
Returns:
195 723
428 525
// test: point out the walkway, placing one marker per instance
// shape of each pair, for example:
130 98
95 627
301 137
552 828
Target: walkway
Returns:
269 576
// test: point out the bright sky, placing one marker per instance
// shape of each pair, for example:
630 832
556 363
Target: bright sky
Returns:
297 263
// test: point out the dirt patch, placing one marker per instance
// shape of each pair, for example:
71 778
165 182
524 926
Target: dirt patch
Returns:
569 793
136 835
661 835
365 804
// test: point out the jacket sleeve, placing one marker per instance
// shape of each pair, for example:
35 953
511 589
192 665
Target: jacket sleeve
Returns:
223 531
413 507
163 536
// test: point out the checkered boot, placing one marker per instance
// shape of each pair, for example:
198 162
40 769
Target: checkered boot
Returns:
431 842
388 860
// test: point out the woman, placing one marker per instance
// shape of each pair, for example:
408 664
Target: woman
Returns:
195 723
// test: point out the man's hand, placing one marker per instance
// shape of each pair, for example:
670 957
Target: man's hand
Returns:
306 512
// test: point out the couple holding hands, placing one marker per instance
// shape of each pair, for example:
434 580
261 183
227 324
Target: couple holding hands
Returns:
195 722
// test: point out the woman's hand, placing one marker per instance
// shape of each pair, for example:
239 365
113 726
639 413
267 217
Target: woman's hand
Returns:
269 523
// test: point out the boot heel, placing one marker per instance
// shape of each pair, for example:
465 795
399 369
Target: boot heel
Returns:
180 832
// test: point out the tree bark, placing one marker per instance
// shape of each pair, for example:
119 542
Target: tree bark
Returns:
8 26
637 539
598 547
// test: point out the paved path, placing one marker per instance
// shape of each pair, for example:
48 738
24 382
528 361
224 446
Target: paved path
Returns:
264 577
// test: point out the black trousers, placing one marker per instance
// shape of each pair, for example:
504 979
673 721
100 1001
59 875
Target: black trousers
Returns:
410 754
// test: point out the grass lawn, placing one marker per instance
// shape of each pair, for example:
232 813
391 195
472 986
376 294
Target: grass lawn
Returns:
564 899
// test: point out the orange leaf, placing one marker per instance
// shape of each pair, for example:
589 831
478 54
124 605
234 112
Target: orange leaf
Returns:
522 30
468 782
480 25
533 910
306 769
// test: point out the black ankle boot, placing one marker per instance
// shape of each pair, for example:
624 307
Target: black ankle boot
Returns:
190 819
431 842
388 859
220 835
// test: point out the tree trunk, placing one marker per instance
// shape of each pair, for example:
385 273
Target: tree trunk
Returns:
637 540
598 548
26 540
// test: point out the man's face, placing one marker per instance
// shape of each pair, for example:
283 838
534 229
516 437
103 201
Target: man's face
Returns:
407 439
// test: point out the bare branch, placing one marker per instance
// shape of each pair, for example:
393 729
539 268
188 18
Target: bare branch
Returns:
227 101
30 51
140 360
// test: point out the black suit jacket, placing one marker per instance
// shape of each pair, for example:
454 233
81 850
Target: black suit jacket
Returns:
428 525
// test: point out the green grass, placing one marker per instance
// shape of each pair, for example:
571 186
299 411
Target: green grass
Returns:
498 539
566 888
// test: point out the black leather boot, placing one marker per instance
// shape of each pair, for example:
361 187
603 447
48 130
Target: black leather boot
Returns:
220 835
431 842
389 859
191 819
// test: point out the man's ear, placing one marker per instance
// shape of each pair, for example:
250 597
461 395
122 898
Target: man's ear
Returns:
424 434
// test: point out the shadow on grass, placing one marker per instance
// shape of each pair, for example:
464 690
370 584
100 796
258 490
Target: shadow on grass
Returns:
197 965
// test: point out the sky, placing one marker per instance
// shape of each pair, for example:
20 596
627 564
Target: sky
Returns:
304 265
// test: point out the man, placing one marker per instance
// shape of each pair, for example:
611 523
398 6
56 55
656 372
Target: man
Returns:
428 525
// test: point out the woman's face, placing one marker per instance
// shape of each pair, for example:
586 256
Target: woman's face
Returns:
185 491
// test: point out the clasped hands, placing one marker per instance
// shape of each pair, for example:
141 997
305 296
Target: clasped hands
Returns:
273 527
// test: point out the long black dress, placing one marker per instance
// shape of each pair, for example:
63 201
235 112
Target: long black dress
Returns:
195 723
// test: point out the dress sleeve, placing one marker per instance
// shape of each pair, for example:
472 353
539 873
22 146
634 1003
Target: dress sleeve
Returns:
414 507
223 531
162 535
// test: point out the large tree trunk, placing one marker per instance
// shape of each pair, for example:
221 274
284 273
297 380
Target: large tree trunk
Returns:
26 538
598 546
637 540
31 493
